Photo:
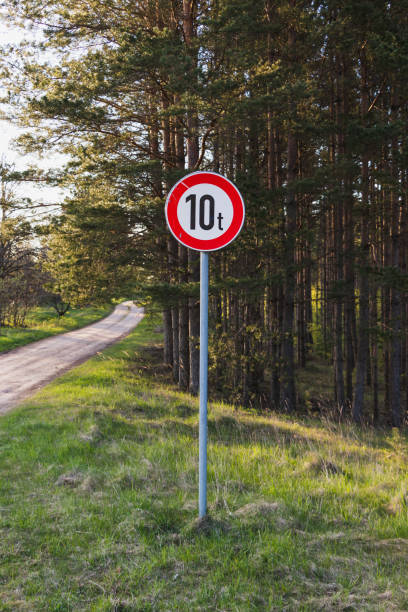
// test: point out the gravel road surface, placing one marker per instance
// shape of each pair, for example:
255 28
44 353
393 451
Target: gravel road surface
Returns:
26 369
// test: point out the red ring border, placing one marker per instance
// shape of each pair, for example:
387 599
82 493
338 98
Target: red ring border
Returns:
173 199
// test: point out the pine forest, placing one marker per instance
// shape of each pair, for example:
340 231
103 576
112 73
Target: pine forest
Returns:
304 106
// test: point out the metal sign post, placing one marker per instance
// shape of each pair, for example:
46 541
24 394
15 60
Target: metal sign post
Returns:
202 473
204 212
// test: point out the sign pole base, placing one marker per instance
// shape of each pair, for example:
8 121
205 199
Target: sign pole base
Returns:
202 476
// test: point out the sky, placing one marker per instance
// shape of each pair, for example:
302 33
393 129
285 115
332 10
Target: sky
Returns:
9 131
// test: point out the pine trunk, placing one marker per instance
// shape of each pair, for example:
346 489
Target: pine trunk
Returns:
364 315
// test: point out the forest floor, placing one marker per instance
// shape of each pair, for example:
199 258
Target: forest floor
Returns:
43 321
98 501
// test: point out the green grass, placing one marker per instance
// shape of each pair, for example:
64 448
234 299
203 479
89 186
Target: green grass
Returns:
98 501
43 322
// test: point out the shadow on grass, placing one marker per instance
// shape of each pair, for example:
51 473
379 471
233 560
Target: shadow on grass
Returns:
223 431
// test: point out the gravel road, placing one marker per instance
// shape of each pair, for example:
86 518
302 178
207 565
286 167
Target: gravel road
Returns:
26 369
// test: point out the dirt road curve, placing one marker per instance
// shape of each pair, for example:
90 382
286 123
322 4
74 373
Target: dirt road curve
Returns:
26 369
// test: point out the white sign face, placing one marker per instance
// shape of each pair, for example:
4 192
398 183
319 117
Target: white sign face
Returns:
205 211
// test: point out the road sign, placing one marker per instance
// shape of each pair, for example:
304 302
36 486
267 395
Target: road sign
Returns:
205 211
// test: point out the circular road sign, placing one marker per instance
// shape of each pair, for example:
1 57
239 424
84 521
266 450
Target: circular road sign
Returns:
205 211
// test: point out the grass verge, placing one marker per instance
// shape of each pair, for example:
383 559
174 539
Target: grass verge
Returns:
98 501
43 322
